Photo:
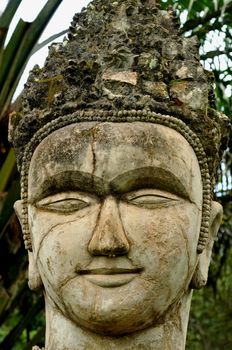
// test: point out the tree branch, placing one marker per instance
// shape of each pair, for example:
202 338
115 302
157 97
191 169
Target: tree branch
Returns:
201 32
193 23
214 53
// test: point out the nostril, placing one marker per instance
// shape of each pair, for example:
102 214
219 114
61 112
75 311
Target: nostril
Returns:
123 249
109 251
109 237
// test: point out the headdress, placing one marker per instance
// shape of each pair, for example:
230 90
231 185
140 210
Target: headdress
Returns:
123 60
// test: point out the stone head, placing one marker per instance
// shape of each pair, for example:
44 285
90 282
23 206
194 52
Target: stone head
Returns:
118 144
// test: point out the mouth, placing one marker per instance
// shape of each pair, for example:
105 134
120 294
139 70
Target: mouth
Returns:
110 277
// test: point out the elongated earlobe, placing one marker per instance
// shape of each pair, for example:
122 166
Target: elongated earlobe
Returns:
200 275
34 280
18 205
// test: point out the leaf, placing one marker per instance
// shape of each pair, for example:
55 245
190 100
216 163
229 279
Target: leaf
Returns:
7 210
9 13
11 50
5 21
23 53
48 40
6 170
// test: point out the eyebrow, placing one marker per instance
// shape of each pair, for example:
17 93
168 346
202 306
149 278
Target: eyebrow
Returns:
145 177
149 177
69 180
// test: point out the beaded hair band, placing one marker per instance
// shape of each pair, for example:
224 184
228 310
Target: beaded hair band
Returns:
119 116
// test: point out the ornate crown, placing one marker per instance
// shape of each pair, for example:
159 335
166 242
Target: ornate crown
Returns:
123 59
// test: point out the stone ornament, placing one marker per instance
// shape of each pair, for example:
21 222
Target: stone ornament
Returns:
118 144
122 116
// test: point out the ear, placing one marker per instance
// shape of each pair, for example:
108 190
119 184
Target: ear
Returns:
34 279
200 275
18 206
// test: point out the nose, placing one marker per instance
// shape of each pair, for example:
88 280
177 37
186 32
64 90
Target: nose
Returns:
109 237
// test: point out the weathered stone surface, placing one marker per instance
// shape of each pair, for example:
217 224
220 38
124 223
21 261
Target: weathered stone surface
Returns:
134 37
157 89
190 94
114 214
114 206
123 77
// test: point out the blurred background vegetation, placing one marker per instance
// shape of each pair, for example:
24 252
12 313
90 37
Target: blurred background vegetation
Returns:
21 312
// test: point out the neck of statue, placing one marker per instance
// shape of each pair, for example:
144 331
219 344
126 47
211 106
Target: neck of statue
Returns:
170 334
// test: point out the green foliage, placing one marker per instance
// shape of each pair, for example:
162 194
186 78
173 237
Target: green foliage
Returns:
210 325
211 22
17 52
16 309
21 315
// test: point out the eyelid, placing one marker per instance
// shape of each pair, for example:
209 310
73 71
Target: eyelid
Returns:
68 195
149 192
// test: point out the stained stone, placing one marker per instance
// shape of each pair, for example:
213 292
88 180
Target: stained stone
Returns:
157 89
190 94
118 144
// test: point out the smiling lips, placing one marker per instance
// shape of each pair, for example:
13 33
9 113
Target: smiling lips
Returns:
110 277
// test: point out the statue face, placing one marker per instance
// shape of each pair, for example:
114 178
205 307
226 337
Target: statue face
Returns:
114 214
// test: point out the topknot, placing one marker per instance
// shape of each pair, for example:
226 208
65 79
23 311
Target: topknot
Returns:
123 55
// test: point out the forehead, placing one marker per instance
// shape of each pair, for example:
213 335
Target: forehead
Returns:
108 150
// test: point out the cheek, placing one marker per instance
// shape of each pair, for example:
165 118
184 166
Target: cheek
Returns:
163 238
61 243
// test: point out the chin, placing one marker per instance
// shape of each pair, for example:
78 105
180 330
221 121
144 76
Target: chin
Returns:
111 324
114 311
111 318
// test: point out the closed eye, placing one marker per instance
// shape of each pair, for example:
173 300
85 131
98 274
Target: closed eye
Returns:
151 198
67 202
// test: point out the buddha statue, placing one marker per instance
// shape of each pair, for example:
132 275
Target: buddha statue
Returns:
118 143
